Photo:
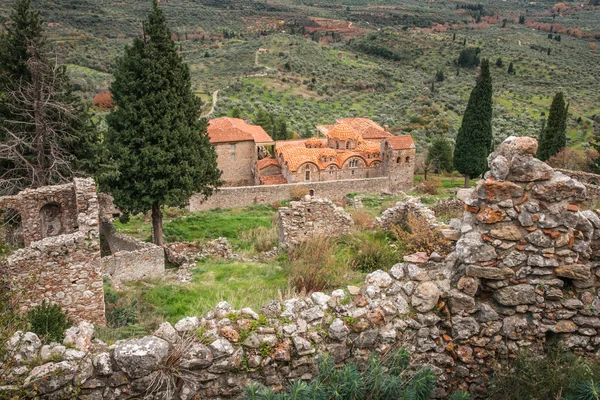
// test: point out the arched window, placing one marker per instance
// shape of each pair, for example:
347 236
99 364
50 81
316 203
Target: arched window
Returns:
307 175
353 163
337 144
398 160
348 145
50 215
407 160
311 192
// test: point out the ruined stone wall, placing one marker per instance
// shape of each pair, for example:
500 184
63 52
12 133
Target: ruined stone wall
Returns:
591 182
63 269
312 217
525 268
130 259
244 196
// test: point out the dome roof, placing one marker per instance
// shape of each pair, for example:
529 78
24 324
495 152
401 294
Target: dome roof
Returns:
343 132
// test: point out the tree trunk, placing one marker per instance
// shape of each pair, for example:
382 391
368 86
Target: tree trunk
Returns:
157 231
467 185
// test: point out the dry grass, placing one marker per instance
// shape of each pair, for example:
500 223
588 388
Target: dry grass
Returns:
298 192
362 219
418 236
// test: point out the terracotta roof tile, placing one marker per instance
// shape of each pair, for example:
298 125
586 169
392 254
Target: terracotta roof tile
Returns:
222 130
266 162
343 132
401 142
367 128
369 147
273 180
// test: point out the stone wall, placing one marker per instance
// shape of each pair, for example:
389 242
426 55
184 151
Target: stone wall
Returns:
130 259
237 161
591 182
524 269
312 217
244 196
63 269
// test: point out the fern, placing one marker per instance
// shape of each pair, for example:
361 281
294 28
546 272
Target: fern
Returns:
589 390
423 384
298 390
460 395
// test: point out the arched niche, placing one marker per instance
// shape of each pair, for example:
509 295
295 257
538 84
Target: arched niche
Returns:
51 220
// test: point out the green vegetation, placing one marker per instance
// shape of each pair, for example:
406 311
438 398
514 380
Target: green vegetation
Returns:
558 374
474 140
49 322
439 155
553 137
159 151
385 377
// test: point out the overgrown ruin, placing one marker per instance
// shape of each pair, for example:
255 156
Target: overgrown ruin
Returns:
524 269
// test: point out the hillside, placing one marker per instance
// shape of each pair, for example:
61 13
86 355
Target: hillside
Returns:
378 59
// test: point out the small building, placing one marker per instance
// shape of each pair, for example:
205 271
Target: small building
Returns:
238 145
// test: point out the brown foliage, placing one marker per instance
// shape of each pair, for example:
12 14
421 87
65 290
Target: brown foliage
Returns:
103 101
362 219
298 192
419 236
431 186
572 159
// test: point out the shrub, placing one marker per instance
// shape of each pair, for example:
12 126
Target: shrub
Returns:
370 252
362 219
49 321
551 375
314 265
263 239
380 378
418 236
431 186
103 101
298 192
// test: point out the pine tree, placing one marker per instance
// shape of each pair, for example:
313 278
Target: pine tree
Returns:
499 63
553 139
474 139
264 119
46 134
160 151
440 155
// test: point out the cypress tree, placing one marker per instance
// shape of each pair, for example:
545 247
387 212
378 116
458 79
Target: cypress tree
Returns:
474 139
553 139
511 69
160 151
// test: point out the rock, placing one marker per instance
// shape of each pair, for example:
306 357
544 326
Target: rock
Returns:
490 215
139 357
564 326
495 191
320 299
464 193
338 331
417 258
102 364
167 332
536 260
366 339
353 290
490 272
402 305
471 249
221 348
573 271
515 295
23 347
52 352
464 327
538 238
560 187
461 302
271 309
302 345
514 327
398 271
526 168
229 333
587 322
468 285
187 324
198 356
248 312
573 304
499 168
223 308
425 296
312 314
486 313
80 336
514 258
507 232
416 273
51 376
379 278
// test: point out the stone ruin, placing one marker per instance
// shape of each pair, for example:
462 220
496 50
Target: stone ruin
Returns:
61 259
311 217
524 269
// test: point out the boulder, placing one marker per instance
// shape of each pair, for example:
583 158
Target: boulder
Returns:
574 271
425 296
140 357
560 187
515 295
499 167
80 336
464 327
526 168
471 249
23 347
198 356
51 376
379 278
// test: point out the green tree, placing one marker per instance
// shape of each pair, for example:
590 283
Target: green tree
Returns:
46 134
439 76
553 138
236 113
440 155
511 69
264 119
474 139
499 63
160 152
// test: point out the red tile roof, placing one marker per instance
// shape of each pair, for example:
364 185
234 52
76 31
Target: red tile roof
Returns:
367 128
273 180
266 162
223 130
343 132
401 142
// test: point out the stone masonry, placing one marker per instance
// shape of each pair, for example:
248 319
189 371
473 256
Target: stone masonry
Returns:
524 269
61 260
312 217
